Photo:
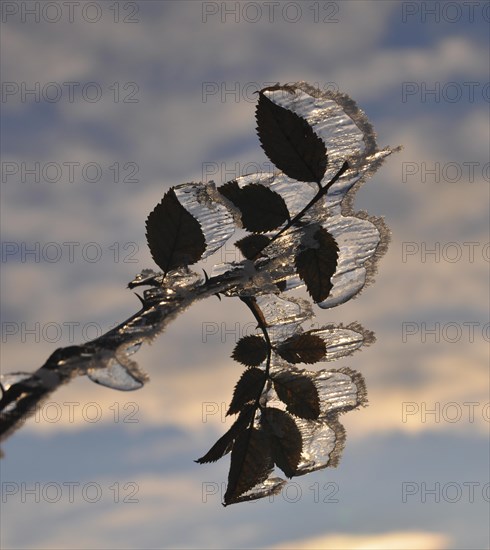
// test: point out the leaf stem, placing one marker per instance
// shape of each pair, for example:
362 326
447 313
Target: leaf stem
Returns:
321 192
251 303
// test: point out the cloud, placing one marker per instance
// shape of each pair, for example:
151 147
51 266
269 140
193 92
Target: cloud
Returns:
170 132
398 540
448 60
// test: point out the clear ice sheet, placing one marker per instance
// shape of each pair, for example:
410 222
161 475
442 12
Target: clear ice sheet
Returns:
216 221
116 376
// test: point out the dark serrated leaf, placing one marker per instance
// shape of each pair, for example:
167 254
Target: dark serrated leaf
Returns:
251 463
247 389
261 208
225 442
174 236
290 142
316 266
250 351
251 245
232 191
303 348
299 393
285 437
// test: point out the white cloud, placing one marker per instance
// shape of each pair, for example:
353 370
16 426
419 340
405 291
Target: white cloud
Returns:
445 62
398 540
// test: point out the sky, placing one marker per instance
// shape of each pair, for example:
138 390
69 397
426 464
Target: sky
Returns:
105 106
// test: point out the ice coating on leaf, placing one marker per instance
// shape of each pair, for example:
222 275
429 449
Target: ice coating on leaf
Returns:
339 190
345 130
327 115
279 311
282 316
323 439
321 443
256 177
358 240
343 139
268 488
342 341
338 389
251 463
217 223
285 317
296 194
339 341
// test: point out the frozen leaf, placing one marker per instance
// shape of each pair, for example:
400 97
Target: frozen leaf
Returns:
317 264
341 341
302 348
216 222
225 443
251 463
323 442
250 351
361 243
295 194
342 127
298 392
339 390
324 437
247 389
174 236
289 141
285 437
232 191
251 245
261 208
346 132
268 488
